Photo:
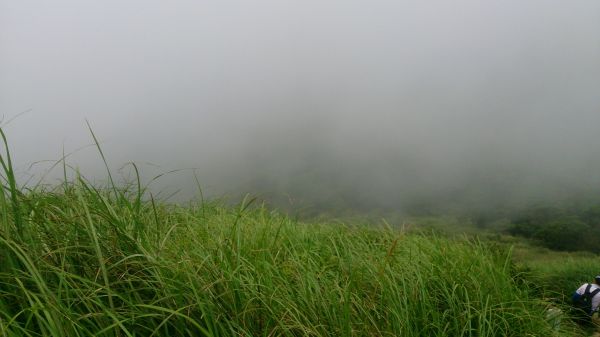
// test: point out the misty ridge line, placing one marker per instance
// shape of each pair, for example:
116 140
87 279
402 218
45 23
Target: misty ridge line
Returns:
312 180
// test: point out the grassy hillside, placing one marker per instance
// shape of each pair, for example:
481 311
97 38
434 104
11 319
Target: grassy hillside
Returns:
79 261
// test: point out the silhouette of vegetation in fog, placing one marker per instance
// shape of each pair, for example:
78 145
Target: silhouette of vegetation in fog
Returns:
568 229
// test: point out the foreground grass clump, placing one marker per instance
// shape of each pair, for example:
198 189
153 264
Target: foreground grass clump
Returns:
81 261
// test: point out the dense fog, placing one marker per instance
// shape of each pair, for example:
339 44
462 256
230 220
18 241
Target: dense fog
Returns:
413 106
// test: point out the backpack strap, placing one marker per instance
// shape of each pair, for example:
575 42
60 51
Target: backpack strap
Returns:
587 290
593 293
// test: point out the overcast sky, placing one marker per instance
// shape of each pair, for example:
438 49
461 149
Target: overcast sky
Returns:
320 99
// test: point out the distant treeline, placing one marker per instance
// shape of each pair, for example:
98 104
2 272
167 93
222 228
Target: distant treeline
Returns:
567 225
560 228
561 216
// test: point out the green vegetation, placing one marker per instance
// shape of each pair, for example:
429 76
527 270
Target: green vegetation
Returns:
560 228
89 262
557 274
78 260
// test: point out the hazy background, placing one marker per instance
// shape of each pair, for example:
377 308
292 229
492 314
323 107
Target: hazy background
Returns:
416 106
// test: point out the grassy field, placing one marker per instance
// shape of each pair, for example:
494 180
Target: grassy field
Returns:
78 260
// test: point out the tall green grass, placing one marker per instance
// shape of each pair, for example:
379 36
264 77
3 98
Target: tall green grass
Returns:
80 260
557 274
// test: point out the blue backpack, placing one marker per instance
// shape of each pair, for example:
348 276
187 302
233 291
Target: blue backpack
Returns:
584 302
